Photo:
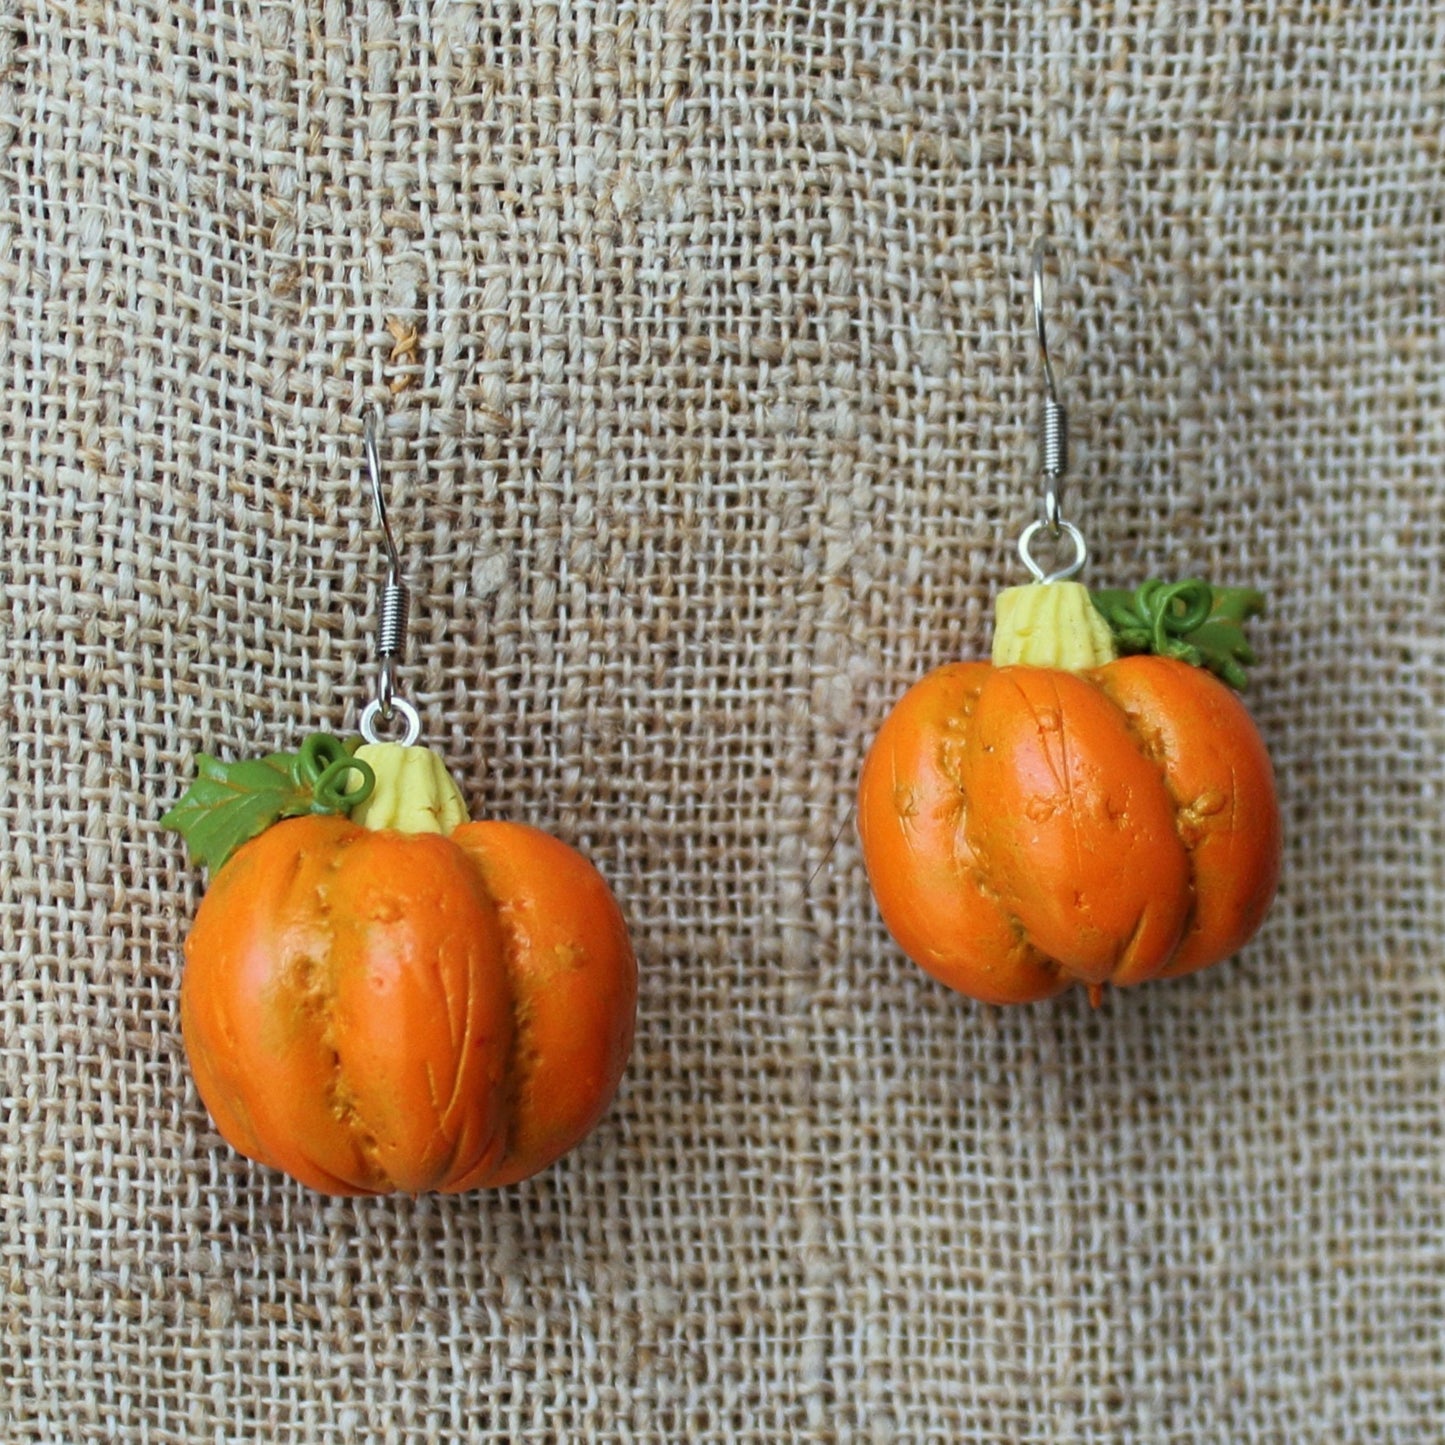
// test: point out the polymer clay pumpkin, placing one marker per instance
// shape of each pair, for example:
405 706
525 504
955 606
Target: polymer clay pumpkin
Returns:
1064 815
398 999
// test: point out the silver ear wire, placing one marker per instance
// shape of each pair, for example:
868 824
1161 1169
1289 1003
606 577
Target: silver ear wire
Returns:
1054 422
392 618
1053 453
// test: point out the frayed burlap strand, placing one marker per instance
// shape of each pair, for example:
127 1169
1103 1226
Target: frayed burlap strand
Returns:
702 337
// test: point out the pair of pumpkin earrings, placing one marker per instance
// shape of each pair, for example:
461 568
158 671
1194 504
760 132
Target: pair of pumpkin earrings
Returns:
381 995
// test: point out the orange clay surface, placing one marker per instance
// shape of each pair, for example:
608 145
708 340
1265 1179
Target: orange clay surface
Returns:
1026 828
376 1010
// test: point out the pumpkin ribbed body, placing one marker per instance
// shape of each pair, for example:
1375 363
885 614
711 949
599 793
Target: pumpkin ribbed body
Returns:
1026 828
371 1010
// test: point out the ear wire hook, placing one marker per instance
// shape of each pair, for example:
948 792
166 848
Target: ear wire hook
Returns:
1053 451
1054 424
392 618
373 467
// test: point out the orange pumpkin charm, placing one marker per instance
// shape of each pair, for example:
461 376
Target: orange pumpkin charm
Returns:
401 999
1059 816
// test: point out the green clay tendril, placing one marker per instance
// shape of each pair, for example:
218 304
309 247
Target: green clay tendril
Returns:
228 804
330 793
317 754
1190 621
1175 610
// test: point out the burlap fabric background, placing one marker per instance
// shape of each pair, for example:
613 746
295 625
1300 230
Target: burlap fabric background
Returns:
716 431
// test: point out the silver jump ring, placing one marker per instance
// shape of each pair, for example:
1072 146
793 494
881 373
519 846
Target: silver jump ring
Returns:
399 706
1062 574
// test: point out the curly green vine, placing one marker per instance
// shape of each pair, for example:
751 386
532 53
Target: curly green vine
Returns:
231 803
1189 620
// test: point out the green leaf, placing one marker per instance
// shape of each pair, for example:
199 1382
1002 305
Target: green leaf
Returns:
1190 621
231 803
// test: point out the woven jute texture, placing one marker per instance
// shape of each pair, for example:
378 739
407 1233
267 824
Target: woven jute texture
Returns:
702 340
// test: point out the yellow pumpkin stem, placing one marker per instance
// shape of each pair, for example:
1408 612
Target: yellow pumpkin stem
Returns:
414 793
1050 624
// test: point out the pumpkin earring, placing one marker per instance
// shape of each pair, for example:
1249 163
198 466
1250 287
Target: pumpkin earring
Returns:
380 995
1068 813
